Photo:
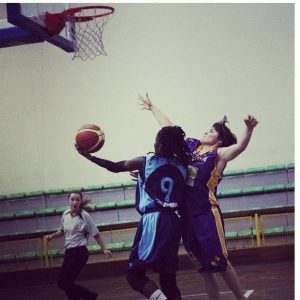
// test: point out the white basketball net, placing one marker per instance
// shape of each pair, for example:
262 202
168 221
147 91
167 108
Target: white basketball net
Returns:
87 35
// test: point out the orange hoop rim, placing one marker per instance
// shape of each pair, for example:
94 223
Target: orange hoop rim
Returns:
72 11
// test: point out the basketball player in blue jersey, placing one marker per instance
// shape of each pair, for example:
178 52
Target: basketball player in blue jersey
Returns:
160 191
203 226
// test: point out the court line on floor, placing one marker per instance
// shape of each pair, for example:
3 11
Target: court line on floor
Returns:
246 294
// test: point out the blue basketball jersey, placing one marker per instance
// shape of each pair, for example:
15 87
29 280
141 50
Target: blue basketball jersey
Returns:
160 185
160 190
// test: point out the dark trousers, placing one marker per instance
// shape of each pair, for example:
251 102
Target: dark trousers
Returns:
74 260
138 279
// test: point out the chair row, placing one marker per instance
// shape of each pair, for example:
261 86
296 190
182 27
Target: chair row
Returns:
120 212
38 200
116 211
125 246
20 257
114 228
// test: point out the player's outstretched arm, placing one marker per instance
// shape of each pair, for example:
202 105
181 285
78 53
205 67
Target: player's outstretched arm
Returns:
120 166
160 117
115 167
229 153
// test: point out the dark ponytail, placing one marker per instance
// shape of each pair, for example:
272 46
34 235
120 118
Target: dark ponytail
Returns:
225 135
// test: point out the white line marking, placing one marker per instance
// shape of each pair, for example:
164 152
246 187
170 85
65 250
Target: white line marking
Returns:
247 294
203 294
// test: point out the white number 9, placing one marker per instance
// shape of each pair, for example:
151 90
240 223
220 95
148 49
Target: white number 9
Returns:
167 189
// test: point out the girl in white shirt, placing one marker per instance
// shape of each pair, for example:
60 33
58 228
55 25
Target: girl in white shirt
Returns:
76 226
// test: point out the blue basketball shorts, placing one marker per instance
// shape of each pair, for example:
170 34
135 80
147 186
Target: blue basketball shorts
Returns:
156 243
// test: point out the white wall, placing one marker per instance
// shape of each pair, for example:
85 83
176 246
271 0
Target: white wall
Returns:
197 61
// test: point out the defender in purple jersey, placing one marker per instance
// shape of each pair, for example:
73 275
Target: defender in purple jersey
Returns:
203 226
160 189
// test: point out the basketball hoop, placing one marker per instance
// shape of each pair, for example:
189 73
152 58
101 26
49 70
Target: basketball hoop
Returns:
85 25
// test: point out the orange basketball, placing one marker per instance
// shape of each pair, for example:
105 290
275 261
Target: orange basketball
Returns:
90 138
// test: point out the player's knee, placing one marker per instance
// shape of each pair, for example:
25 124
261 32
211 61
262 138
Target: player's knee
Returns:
169 286
136 280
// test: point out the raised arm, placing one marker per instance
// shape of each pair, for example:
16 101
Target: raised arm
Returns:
229 153
115 167
121 166
161 118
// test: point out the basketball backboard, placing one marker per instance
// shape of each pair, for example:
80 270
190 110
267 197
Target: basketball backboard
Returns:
23 23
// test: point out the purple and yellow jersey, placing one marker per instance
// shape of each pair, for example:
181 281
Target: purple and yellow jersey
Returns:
202 180
203 226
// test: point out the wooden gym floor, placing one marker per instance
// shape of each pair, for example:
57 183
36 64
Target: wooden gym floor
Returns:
271 277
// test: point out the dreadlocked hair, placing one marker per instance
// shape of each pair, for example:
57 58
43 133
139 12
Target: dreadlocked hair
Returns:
225 135
170 141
